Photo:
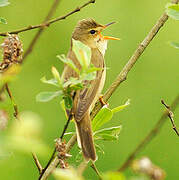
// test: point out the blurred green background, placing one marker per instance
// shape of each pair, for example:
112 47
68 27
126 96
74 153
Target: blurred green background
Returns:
155 76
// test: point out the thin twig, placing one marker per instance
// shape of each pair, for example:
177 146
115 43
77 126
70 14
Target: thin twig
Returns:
16 112
66 125
39 32
37 162
156 129
48 23
61 137
96 170
170 115
121 77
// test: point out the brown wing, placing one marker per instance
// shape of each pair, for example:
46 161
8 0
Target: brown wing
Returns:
84 98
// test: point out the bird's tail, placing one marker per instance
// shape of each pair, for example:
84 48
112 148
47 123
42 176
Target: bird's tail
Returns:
85 136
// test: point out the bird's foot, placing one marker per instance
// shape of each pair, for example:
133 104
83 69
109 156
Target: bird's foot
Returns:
103 103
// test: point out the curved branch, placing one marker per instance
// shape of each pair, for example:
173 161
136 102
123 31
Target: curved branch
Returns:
48 23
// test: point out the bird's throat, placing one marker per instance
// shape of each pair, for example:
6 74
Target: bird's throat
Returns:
102 46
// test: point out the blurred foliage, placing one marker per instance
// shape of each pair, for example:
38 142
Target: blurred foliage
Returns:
67 174
155 76
2 4
175 45
173 10
113 176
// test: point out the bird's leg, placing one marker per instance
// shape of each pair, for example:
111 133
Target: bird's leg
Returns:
103 103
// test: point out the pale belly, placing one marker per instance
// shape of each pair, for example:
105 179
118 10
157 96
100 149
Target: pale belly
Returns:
102 82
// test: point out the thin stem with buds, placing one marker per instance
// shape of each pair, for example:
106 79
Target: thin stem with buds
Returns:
170 115
147 139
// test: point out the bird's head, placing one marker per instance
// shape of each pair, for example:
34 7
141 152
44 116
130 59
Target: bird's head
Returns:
89 31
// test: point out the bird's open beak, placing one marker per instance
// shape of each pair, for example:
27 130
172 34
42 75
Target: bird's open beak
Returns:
108 37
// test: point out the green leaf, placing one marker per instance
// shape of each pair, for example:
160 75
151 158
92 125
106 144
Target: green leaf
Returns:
72 81
69 62
92 68
56 75
108 134
62 103
119 108
3 21
4 3
68 102
113 176
89 76
175 45
99 148
83 53
47 96
76 87
50 81
103 116
173 10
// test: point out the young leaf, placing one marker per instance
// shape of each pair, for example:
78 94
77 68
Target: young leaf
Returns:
3 21
47 96
50 81
69 62
56 75
72 81
62 103
108 134
82 52
76 87
92 68
99 148
90 76
119 108
173 10
103 116
175 45
68 102
4 3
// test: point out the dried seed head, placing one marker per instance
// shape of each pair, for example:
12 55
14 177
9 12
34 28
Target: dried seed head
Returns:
12 51
145 166
62 155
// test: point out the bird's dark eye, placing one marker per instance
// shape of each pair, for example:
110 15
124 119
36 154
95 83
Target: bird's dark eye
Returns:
92 31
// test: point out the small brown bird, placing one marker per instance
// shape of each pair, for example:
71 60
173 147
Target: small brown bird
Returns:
88 32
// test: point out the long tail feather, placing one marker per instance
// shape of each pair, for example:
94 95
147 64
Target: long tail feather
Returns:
86 138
